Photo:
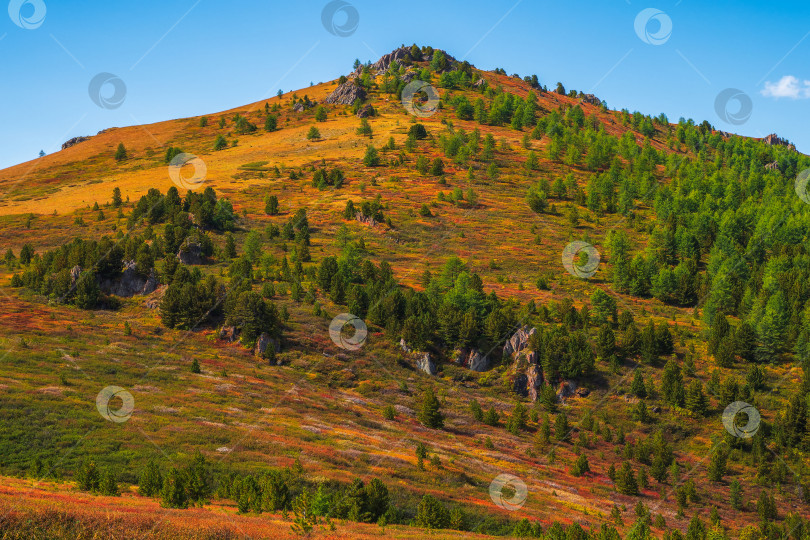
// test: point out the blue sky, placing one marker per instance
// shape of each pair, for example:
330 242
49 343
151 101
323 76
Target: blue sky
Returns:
191 57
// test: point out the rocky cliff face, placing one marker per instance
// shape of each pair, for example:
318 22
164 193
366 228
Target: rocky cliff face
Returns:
527 376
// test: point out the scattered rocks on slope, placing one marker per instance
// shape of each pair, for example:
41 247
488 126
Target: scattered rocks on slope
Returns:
346 93
73 142
772 166
404 346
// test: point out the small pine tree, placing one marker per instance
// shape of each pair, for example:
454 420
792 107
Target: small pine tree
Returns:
195 366
173 493
313 134
430 414
150 482
120 152
372 157
581 466
562 430
108 485
221 143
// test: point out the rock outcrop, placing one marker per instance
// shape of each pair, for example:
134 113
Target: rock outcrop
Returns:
364 219
229 333
385 61
425 363
591 99
566 389
131 282
365 111
302 106
191 253
518 341
153 302
422 360
264 342
346 93
73 142
534 380
775 140
772 166
472 359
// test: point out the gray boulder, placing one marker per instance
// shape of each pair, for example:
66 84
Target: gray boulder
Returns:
229 333
534 380
346 93
425 363
472 359
264 342
191 253
130 282
365 111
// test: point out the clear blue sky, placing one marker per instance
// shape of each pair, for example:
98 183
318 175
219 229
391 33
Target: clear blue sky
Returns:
190 57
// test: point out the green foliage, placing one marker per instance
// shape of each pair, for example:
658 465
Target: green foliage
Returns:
120 152
430 414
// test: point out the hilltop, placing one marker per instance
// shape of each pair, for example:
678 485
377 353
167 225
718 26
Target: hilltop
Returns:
552 290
